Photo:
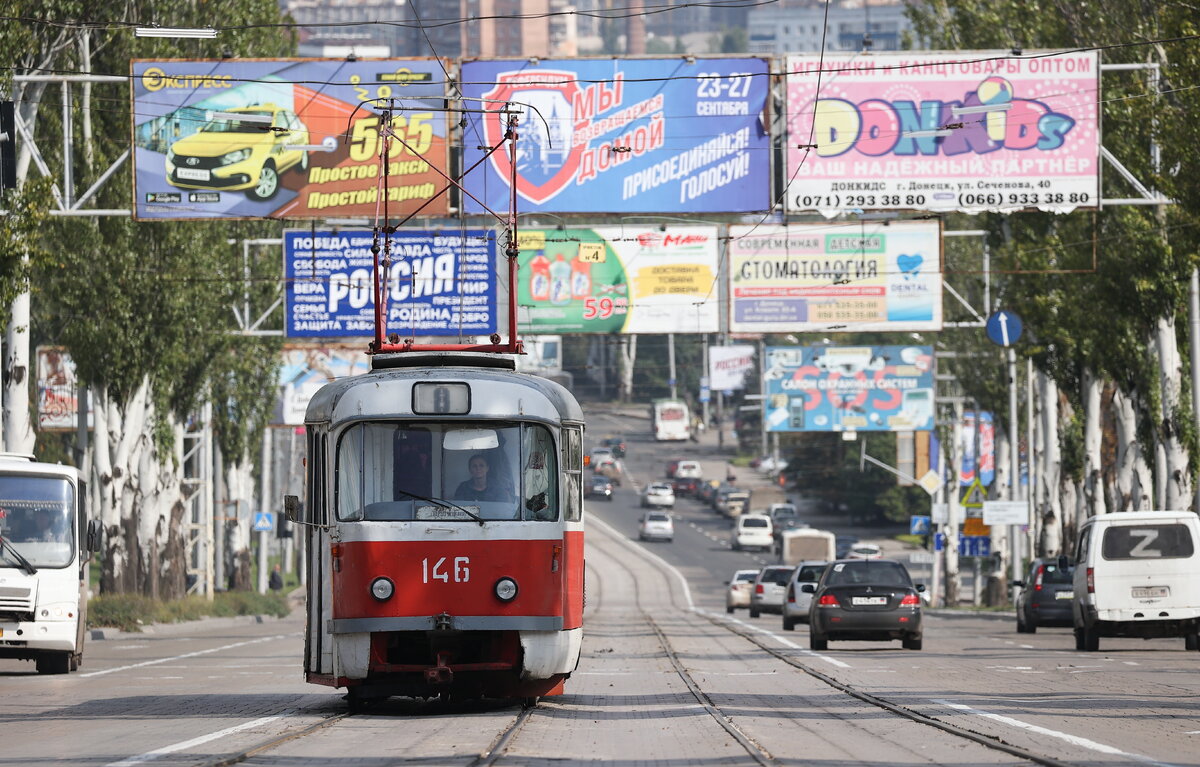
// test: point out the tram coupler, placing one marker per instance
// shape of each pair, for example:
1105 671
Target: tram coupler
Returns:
442 622
441 674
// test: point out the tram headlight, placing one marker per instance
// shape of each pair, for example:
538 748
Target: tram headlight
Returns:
382 589
506 589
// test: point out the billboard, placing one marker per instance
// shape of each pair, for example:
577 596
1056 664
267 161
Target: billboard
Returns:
442 283
57 391
729 365
618 279
870 276
284 138
622 135
849 388
987 449
966 131
306 368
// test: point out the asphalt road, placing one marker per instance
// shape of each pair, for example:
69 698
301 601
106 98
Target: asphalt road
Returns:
666 679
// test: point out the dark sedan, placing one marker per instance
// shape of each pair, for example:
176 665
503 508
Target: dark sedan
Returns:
600 487
1046 595
871 599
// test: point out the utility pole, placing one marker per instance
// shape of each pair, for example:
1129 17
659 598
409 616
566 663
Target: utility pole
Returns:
264 506
671 363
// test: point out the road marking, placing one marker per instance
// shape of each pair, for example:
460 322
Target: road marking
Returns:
181 657
782 640
1026 646
158 753
1072 739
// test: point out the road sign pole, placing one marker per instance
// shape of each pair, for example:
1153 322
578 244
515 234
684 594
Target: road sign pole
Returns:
1014 532
264 505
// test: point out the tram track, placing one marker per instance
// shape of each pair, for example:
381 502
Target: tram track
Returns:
988 741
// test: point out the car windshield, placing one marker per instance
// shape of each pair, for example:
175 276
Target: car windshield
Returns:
239 126
37 517
868 573
777 575
390 471
810 573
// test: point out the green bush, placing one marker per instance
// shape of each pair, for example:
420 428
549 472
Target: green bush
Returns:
129 612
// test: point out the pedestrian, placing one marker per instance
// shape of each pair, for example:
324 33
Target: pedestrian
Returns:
276 580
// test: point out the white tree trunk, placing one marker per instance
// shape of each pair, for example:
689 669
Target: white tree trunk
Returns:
1132 475
628 357
1176 478
1050 505
239 488
1093 467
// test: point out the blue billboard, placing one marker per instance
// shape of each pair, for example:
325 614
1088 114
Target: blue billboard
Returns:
441 283
669 135
849 388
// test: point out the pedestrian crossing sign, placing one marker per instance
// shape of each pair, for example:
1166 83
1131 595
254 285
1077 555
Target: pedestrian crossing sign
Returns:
264 521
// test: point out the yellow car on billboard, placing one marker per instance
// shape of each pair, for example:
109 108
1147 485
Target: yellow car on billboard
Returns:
240 150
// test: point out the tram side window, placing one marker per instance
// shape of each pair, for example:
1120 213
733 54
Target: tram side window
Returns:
573 472
540 501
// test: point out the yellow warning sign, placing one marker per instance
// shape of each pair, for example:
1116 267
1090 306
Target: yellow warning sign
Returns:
975 526
974 495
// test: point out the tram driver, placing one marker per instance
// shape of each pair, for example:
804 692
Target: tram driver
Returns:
480 486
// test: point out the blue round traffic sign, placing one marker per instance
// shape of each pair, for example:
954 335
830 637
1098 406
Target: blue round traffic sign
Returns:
1004 328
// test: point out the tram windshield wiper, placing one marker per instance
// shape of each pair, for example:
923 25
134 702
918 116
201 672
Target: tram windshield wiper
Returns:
6 545
444 504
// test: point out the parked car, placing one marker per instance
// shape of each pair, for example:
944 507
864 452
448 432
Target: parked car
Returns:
768 465
864 599
769 589
796 601
672 465
706 490
864 551
658 494
784 517
1045 598
1137 574
741 585
732 501
752 531
656 526
600 487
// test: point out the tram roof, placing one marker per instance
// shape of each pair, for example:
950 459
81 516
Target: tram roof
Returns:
372 390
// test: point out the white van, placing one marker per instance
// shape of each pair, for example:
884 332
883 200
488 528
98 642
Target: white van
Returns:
752 531
1137 574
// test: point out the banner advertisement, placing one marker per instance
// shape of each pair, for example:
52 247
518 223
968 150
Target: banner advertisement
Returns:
964 130
622 135
849 388
442 284
306 368
618 279
862 276
57 391
987 449
728 366
285 138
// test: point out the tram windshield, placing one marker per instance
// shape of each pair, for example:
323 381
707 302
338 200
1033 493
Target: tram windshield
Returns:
388 471
37 519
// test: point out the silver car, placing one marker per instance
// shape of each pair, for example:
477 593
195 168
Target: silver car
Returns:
657 526
796 602
769 588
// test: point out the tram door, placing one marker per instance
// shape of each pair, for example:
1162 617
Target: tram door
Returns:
318 646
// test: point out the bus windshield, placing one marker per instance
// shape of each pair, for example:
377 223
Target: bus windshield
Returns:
37 516
389 471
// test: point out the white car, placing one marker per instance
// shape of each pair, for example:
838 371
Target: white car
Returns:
600 455
656 526
658 494
753 531
689 470
741 585
864 551
796 602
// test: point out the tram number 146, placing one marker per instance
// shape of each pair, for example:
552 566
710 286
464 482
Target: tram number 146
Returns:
461 570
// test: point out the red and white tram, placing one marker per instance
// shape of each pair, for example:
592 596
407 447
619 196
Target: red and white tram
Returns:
444 524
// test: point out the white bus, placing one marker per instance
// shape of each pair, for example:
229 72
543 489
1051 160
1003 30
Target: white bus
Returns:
671 419
45 540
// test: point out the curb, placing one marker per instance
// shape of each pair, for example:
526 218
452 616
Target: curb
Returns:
171 629
943 612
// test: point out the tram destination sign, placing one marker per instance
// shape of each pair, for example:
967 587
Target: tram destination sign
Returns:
666 135
284 138
441 283
966 131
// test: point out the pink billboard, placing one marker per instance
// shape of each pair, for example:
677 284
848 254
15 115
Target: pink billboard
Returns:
966 131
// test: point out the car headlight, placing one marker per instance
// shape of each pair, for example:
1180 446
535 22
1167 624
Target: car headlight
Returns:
382 589
237 155
171 155
506 589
